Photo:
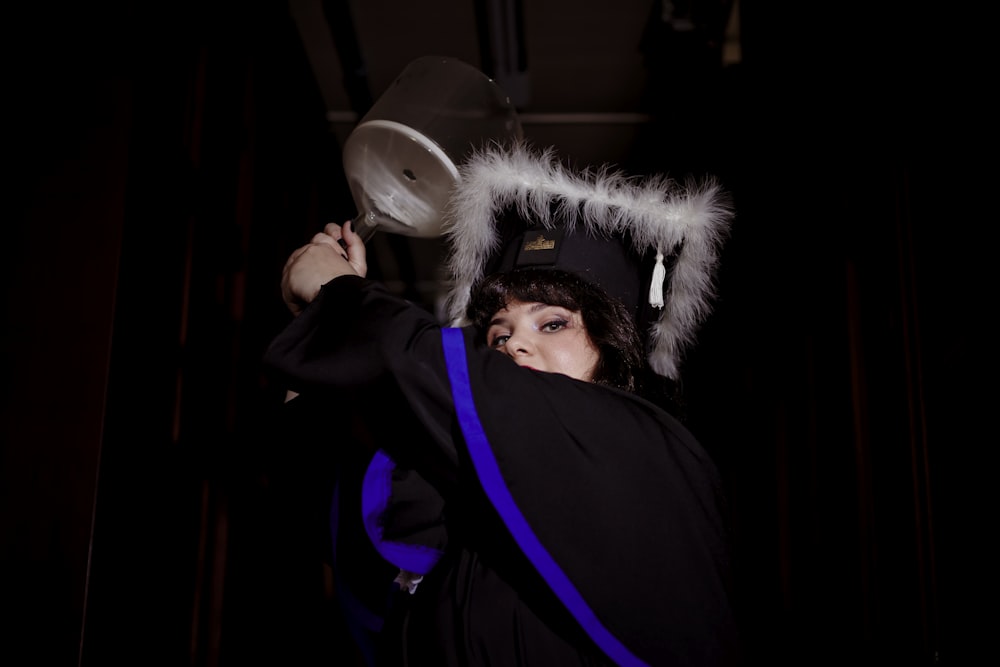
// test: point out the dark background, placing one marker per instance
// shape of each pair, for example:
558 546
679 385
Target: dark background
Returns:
164 159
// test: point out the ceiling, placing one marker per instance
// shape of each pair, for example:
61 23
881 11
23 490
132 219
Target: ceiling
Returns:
576 71
585 78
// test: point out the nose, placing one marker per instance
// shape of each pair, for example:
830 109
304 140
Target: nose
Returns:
518 345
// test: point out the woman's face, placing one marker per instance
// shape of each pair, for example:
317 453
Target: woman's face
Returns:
544 338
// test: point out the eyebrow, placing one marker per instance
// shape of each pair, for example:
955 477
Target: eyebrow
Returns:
533 309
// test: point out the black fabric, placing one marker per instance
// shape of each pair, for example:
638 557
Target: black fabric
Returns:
618 491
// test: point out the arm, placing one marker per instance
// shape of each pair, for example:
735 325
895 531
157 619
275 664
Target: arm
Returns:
352 336
313 265
618 508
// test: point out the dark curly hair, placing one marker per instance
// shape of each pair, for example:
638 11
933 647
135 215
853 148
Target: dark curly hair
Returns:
607 321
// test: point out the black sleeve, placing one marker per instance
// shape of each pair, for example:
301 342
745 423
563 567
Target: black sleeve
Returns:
618 498
358 339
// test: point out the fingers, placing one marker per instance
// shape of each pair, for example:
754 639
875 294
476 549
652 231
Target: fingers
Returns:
334 230
357 254
331 236
291 260
310 267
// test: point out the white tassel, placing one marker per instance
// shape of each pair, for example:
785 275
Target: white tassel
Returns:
656 286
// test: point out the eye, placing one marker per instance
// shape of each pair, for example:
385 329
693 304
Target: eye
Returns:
499 340
554 325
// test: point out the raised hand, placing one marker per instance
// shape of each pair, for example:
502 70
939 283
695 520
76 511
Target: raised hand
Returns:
334 252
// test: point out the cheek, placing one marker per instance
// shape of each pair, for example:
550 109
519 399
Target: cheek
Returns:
579 358
590 364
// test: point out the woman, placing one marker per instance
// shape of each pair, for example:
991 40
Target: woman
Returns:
534 509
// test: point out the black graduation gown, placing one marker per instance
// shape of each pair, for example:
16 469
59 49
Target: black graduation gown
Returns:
556 522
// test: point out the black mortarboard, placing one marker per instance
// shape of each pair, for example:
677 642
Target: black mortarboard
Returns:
515 207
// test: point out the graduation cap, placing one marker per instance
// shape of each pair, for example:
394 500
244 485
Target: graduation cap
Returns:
650 242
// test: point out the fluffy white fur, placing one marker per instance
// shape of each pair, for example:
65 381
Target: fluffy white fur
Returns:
691 220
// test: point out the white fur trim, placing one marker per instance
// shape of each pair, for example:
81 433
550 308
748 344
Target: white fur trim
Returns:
691 220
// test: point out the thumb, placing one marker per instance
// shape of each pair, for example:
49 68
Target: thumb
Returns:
357 254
